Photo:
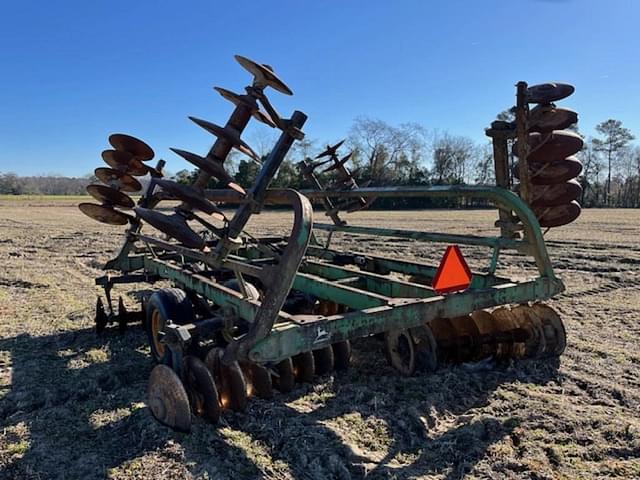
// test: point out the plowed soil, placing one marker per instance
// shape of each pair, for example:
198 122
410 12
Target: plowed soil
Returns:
72 404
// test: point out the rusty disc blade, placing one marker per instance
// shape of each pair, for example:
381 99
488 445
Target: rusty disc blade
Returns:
526 319
506 323
192 196
137 168
249 102
331 150
304 367
264 76
115 178
134 146
125 162
104 214
201 389
110 196
168 399
229 135
213 168
551 173
117 159
554 332
486 325
555 195
552 146
173 225
339 164
549 92
545 118
231 381
558 216
259 382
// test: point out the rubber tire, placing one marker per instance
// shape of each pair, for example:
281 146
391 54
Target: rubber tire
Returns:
341 355
324 360
173 304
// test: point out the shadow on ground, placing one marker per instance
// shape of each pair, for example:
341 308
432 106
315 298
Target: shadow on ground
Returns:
81 399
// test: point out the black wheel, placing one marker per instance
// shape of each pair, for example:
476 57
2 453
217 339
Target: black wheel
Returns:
230 379
304 367
285 380
324 360
164 305
341 355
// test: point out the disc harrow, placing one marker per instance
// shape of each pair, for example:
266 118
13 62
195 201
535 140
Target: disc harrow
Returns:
252 316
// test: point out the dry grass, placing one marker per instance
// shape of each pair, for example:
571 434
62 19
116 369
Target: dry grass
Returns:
72 405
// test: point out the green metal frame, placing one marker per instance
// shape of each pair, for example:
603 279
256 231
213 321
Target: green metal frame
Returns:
376 300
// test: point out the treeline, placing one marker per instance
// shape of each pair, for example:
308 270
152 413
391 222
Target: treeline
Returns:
12 184
407 155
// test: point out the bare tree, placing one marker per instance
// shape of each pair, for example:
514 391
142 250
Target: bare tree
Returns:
452 156
616 139
388 152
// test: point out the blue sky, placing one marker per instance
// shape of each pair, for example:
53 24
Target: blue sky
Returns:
72 72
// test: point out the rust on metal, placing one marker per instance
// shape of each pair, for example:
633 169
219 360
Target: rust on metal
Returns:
549 173
168 400
174 225
104 213
549 92
264 76
228 134
132 145
117 179
558 216
556 194
110 196
552 146
192 196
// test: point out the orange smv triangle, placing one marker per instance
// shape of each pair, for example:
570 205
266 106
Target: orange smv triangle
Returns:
453 273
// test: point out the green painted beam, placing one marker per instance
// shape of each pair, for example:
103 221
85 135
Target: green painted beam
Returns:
372 282
288 339
354 298
425 236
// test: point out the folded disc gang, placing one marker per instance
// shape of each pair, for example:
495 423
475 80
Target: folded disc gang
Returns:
558 216
546 118
118 179
213 168
134 146
550 173
174 225
264 76
331 150
104 214
248 102
110 196
552 146
230 135
549 92
555 195
192 196
117 159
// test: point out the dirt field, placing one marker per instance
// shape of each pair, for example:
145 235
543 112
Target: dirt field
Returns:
72 405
